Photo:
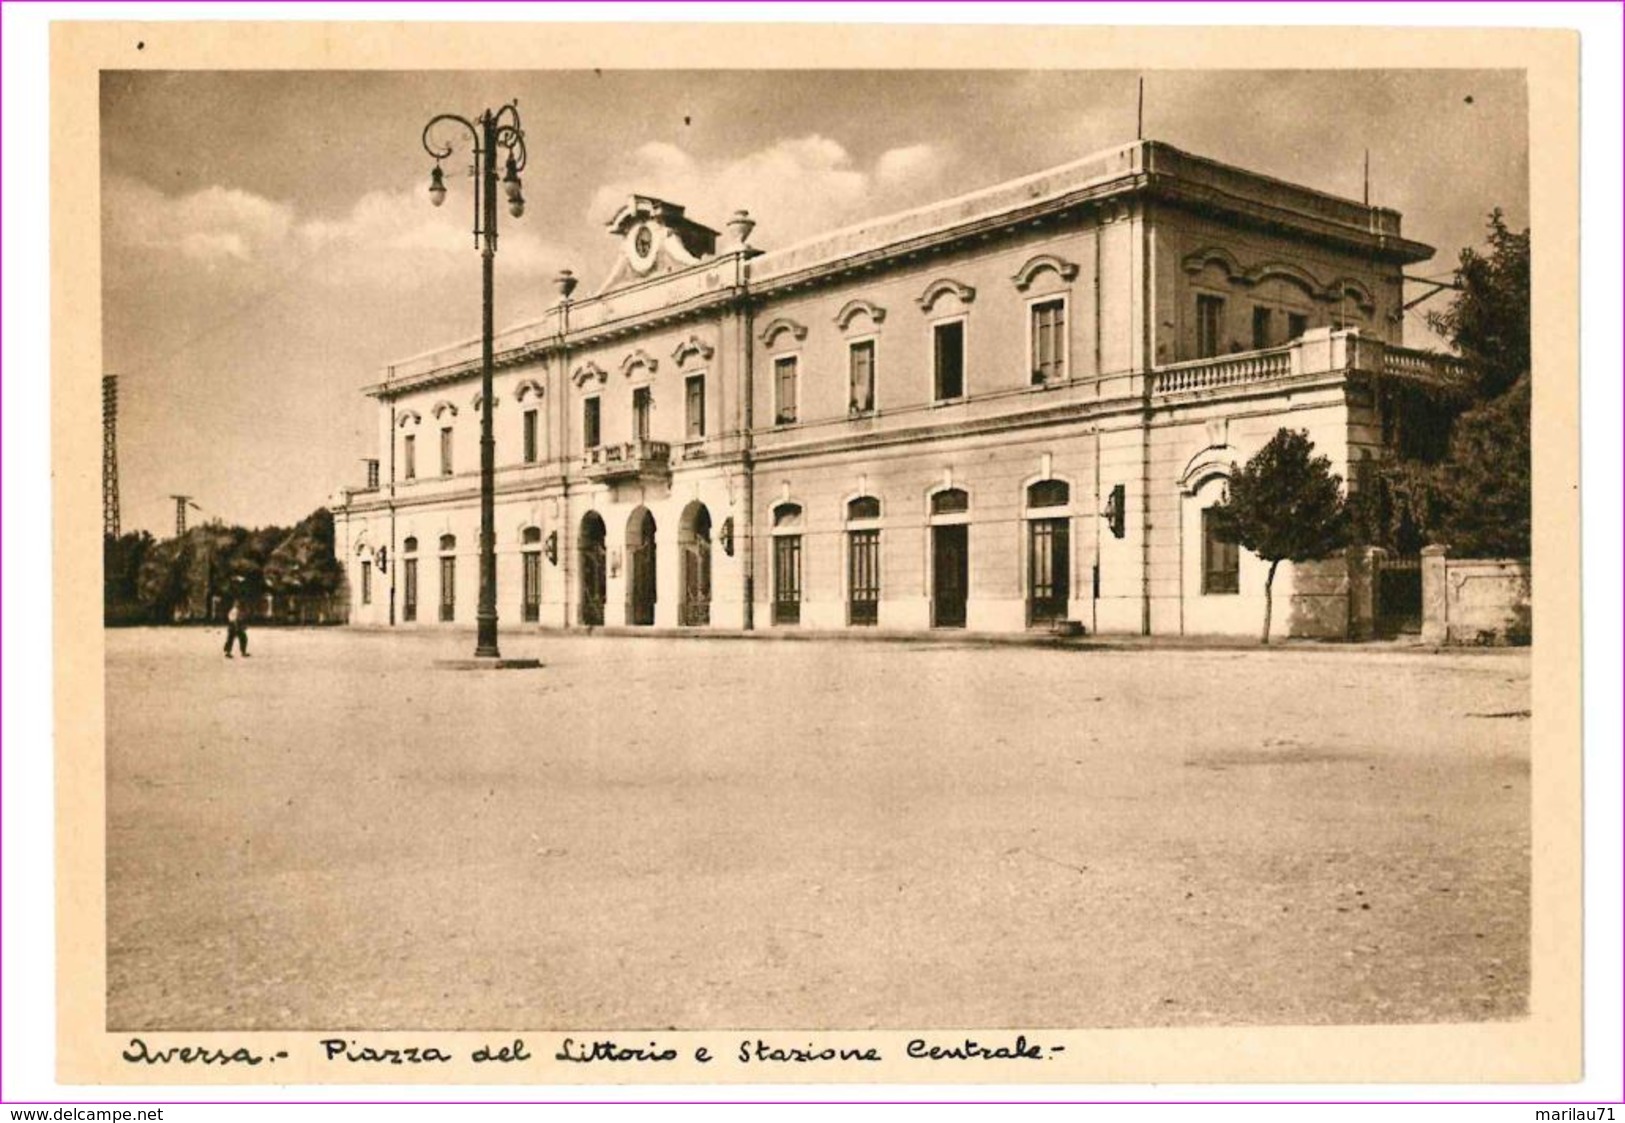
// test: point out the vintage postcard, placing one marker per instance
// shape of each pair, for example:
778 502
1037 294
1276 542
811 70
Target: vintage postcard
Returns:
767 554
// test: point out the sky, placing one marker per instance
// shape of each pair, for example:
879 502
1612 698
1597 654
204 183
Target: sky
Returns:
268 246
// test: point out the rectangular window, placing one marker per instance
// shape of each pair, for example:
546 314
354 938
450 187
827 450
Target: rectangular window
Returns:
1296 324
409 602
1221 561
950 362
409 456
1049 341
448 589
589 423
1261 327
863 577
1209 325
694 397
784 383
787 579
861 357
366 582
445 451
642 409
531 608
532 448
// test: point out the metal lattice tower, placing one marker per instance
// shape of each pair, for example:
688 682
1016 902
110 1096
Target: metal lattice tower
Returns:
181 503
110 516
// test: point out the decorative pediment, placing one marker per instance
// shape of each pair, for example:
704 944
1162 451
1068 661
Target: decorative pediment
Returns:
1311 285
444 407
941 287
409 417
690 347
780 324
852 307
588 371
1355 289
1029 272
639 358
479 400
526 388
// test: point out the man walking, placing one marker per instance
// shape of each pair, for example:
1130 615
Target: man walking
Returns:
236 628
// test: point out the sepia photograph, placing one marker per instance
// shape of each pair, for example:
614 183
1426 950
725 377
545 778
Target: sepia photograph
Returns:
952 557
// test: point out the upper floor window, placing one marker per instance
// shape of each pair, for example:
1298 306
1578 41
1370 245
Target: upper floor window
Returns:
445 451
1262 318
785 389
642 412
409 456
694 406
1048 341
950 359
1296 324
861 359
591 433
1209 325
532 445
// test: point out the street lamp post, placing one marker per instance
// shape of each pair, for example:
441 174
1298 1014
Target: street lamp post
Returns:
493 130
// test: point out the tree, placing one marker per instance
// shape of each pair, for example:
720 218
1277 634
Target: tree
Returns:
1461 475
1285 504
1488 321
1485 483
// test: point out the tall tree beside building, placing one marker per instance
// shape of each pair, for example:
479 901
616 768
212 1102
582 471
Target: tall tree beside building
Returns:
303 562
1462 476
1285 504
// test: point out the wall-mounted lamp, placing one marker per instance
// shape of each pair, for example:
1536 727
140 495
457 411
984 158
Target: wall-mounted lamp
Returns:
1113 514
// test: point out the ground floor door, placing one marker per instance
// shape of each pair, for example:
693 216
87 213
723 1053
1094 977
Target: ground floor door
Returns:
594 575
696 547
640 561
1049 568
950 575
531 605
787 579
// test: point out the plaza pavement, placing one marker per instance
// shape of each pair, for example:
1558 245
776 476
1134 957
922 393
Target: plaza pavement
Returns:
652 832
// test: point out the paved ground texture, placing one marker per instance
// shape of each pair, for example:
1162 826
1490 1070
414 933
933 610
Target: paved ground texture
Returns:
732 834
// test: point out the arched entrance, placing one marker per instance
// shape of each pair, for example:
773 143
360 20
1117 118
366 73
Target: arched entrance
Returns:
594 582
694 540
640 567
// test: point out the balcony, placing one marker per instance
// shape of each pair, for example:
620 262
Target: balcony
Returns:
1317 353
632 460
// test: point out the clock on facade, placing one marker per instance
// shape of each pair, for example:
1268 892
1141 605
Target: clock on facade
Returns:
642 246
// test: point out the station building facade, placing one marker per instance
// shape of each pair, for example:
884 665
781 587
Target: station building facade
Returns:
1000 412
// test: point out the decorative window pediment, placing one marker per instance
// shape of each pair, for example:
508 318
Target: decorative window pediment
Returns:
781 324
409 417
479 400
942 287
639 358
587 372
526 388
690 347
851 308
441 408
1249 277
1028 273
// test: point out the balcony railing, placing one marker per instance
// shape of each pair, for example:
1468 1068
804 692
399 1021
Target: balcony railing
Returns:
1227 370
1318 353
629 460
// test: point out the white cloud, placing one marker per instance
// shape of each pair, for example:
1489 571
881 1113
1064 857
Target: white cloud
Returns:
794 188
387 237
210 225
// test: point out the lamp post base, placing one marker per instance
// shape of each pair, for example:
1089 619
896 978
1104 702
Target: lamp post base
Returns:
488 664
